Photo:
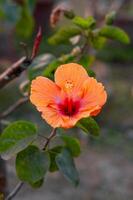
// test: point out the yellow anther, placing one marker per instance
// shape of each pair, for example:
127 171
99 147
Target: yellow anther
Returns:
69 84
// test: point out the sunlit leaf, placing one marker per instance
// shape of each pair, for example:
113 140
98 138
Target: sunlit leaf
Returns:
64 34
84 23
50 69
98 42
114 33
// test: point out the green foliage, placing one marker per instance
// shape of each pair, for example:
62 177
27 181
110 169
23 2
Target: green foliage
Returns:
51 68
114 33
37 184
69 14
32 165
91 73
38 65
25 24
84 23
49 71
16 137
86 61
72 144
89 125
66 165
53 153
110 17
64 34
98 42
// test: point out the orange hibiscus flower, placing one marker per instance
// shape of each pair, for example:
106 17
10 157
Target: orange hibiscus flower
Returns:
73 96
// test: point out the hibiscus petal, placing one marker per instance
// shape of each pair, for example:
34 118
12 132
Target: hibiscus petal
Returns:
55 119
43 92
70 77
93 97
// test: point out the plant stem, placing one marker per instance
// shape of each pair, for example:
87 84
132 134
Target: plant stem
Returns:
14 71
53 133
83 50
13 107
15 191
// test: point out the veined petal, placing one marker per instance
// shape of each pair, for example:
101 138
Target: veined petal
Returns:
70 77
74 96
55 119
43 92
93 97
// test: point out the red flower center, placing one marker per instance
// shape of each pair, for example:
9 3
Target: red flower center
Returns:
69 107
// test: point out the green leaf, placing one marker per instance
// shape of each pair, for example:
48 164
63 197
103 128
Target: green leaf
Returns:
69 14
53 153
37 184
114 33
86 61
50 69
72 144
84 23
110 17
16 137
66 58
32 164
66 165
91 73
25 24
64 34
89 125
38 65
98 42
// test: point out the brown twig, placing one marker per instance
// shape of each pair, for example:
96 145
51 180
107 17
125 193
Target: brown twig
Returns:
14 71
13 107
17 68
15 191
53 133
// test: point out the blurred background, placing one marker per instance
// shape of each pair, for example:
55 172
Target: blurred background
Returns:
106 163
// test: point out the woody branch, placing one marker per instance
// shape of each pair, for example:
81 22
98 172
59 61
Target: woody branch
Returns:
21 65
